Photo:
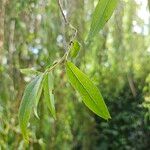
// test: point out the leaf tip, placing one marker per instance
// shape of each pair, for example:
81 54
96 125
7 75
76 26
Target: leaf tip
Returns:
107 117
36 114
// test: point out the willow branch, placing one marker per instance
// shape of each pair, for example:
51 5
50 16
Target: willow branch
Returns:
61 9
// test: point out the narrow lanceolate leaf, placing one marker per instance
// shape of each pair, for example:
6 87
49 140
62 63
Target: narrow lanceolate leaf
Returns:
101 15
29 71
89 92
48 95
29 99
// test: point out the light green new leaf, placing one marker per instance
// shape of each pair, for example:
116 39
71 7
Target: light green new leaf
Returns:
29 71
89 92
101 15
30 96
48 95
75 49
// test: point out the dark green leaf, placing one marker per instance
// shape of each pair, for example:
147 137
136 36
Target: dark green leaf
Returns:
89 92
29 99
48 95
101 15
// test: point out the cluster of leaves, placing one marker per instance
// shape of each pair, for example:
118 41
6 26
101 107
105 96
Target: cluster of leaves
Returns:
90 94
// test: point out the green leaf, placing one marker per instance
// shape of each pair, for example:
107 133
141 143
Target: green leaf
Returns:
101 15
48 95
29 71
37 101
75 49
89 92
29 99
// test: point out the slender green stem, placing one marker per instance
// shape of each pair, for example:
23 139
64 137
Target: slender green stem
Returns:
63 59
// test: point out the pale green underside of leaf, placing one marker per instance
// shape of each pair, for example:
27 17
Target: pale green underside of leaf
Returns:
37 101
29 98
101 15
29 71
89 92
48 95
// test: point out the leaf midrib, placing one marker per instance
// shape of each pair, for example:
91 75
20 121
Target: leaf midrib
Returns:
84 87
28 102
100 17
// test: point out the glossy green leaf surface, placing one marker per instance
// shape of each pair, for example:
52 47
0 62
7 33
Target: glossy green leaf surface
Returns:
29 99
90 94
101 15
75 49
48 95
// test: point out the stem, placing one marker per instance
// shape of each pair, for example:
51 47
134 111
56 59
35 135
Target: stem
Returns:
61 9
75 33
64 58
66 21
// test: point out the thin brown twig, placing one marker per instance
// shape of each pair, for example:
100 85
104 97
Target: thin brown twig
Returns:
66 20
65 56
61 9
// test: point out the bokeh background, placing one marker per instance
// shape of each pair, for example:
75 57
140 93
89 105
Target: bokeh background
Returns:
32 34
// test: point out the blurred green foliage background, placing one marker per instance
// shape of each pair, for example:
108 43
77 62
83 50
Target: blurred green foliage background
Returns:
33 34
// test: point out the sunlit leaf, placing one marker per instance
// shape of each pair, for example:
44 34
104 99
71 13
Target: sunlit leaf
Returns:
89 92
75 49
101 15
48 95
29 99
